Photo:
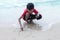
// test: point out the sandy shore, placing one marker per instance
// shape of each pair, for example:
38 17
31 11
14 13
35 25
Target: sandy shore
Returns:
15 34
9 29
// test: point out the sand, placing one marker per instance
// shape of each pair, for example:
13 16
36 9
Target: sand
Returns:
11 33
48 29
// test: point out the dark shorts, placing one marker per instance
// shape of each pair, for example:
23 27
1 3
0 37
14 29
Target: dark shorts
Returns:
32 16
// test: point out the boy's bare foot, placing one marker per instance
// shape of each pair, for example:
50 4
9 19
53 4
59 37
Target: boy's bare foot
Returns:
21 29
29 21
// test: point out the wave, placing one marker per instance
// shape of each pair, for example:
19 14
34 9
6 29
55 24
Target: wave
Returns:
23 4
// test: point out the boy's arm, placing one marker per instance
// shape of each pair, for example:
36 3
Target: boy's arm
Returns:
19 20
35 11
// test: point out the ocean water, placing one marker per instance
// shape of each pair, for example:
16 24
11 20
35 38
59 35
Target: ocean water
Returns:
20 3
11 10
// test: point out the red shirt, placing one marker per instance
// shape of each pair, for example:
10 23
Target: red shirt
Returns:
26 11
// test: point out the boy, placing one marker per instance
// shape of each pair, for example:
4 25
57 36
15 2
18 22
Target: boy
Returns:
28 15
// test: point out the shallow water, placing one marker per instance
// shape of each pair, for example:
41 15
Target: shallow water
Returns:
10 11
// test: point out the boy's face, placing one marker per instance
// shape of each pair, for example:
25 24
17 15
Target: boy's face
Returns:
30 11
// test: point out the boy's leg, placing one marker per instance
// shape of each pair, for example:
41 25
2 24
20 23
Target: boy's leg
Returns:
29 18
32 16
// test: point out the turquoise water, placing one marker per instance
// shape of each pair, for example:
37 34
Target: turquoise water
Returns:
12 4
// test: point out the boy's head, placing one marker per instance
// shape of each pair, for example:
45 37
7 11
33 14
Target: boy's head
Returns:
30 6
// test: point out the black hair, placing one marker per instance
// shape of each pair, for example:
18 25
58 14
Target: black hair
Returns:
30 6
